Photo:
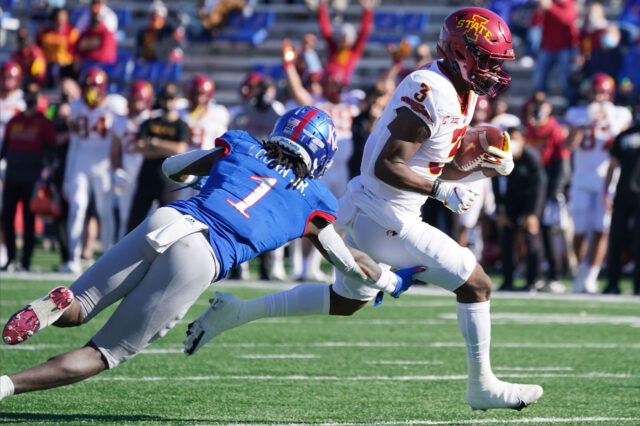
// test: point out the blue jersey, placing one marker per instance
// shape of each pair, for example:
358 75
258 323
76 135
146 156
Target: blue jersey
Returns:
249 207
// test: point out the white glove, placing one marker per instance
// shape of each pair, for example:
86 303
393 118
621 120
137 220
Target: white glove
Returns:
455 196
120 181
498 159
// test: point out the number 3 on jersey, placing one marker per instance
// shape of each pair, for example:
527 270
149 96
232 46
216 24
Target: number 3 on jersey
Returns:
265 185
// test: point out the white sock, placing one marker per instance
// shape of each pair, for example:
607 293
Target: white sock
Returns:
591 280
312 264
304 299
474 321
581 275
295 251
6 387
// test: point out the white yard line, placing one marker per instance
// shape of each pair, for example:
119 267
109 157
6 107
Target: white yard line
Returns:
398 362
538 318
278 356
416 290
533 368
552 420
405 378
541 346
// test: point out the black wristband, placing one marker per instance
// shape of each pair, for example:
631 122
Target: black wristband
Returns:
435 189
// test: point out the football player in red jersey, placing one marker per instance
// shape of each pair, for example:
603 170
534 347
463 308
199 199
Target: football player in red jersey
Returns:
422 124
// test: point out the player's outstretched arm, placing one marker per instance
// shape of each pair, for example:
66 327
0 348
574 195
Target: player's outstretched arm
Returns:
353 263
193 163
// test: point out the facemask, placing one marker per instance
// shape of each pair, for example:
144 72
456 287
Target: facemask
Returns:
91 96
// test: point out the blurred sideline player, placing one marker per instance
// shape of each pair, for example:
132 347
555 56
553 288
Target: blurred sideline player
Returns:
592 130
206 119
470 233
422 124
257 116
125 160
343 107
11 103
163 266
88 168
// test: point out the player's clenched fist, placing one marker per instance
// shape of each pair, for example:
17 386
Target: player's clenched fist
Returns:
455 196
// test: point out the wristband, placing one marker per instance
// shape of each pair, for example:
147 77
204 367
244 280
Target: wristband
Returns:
435 189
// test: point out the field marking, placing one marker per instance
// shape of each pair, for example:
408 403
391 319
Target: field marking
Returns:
533 368
398 362
405 378
33 347
552 420
420 290
278 356
538 318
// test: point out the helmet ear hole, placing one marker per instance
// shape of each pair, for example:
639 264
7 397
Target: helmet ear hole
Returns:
460 55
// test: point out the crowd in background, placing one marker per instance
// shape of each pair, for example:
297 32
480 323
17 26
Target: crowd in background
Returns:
564 212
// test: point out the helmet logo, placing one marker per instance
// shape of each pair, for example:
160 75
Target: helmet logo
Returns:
331 141
475 27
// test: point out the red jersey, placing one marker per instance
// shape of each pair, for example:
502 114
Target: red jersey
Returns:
559 29
32 62
548 140
97 44
344 59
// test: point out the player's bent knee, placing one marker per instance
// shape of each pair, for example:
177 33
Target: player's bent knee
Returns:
476 289
342 306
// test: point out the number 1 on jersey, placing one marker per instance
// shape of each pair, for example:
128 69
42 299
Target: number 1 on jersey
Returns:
265 185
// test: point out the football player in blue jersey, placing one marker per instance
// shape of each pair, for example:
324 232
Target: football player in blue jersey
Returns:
258 196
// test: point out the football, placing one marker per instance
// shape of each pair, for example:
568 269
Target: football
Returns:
476 142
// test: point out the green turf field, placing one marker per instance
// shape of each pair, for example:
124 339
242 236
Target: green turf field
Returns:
398 364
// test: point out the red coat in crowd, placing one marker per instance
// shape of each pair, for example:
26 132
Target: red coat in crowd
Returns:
548 139
347 58
97 44
559 29
32 62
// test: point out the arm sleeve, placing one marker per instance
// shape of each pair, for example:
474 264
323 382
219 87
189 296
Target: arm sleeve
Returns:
143 133
184 133
365 30
325 25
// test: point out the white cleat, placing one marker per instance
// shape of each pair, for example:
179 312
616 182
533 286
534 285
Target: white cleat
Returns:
502 395
223 313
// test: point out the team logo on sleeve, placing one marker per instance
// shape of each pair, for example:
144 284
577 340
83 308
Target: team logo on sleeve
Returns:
475 27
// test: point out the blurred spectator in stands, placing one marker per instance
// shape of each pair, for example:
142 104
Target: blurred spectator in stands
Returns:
160 41
206 119
308 62
629 19
345 47
58 41
592 129
97 43
547 136
30 58
608 56
29 147
593 27
559 39
107 16
60 113
501 117
215 14
158 138
625 155
519 200
629 75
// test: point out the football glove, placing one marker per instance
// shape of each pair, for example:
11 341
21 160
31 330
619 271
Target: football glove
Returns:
405 280
498 159
455 196
197 183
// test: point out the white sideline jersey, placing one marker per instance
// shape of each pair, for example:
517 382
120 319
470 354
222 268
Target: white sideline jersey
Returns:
9 107
126 129
602 122
90 136
429 93
206 125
